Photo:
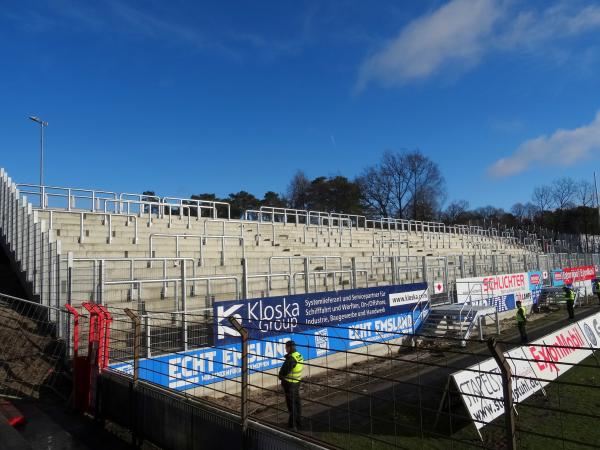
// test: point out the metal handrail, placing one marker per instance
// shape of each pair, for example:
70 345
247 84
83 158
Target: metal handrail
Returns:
96 196
302 258
107 216
427 302
202 238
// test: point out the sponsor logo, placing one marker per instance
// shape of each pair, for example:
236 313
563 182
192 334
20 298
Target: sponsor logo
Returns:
535 278
583 273
558 276
404 298
498 283
267 317
222 315
590 335
547 356
321 341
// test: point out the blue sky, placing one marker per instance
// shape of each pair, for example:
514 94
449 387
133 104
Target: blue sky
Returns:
189 97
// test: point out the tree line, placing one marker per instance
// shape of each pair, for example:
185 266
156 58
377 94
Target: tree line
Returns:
409 185
565 205
405 185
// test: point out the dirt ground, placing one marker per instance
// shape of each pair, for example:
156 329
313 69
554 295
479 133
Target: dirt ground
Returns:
30 358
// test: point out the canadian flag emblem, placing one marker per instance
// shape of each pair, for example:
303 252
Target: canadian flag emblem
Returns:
438 287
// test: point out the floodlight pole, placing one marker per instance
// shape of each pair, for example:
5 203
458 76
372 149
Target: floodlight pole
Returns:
596 190
43 124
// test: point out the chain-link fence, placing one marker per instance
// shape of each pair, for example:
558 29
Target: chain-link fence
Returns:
32 354
371 388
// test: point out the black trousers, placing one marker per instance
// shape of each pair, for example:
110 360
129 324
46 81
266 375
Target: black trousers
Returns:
571 309
598 294
522 331
292 400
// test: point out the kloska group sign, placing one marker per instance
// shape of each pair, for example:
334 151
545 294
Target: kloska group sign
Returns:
320 324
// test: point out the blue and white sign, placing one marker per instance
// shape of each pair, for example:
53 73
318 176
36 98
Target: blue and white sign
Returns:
296 313
320 324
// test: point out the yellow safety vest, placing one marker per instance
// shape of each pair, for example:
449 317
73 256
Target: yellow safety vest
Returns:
296 374
570 295
521 317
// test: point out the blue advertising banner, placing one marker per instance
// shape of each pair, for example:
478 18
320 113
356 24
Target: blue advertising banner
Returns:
557 277
296 313
536 283
320 324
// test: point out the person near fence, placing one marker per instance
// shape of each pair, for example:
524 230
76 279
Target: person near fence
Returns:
597 288
521 322
290 375
570 298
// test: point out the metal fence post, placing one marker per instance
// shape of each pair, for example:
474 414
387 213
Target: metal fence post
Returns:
509 411
244 278
137 338
306 275
137 330
353 261
101 282
184 325
244 407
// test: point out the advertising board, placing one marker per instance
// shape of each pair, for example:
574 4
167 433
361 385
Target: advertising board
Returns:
501 291
481 386
320 324
533 366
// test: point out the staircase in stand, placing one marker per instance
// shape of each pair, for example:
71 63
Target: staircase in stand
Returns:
455 322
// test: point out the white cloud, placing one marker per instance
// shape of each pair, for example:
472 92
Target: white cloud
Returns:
452 33
461 33
563 147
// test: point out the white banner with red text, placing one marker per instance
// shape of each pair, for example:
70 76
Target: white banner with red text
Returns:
533 366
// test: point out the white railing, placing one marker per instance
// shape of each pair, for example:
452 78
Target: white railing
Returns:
33 247
94 200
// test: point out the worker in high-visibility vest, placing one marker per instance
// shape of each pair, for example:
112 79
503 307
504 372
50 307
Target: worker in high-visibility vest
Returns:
570 298
290 375
597 288
522 321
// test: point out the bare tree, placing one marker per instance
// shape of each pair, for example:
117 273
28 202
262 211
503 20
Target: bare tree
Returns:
530 211
394 166
376 187
542 198
455 211
563 192
427 185
297 191
519 211
585 193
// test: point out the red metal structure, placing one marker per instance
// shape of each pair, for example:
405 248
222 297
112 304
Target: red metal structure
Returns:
86 368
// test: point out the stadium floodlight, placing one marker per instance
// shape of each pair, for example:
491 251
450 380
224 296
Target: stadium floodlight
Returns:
43 124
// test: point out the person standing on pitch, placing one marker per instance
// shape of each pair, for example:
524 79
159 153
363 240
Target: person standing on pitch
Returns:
570 298
521 322
290 375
